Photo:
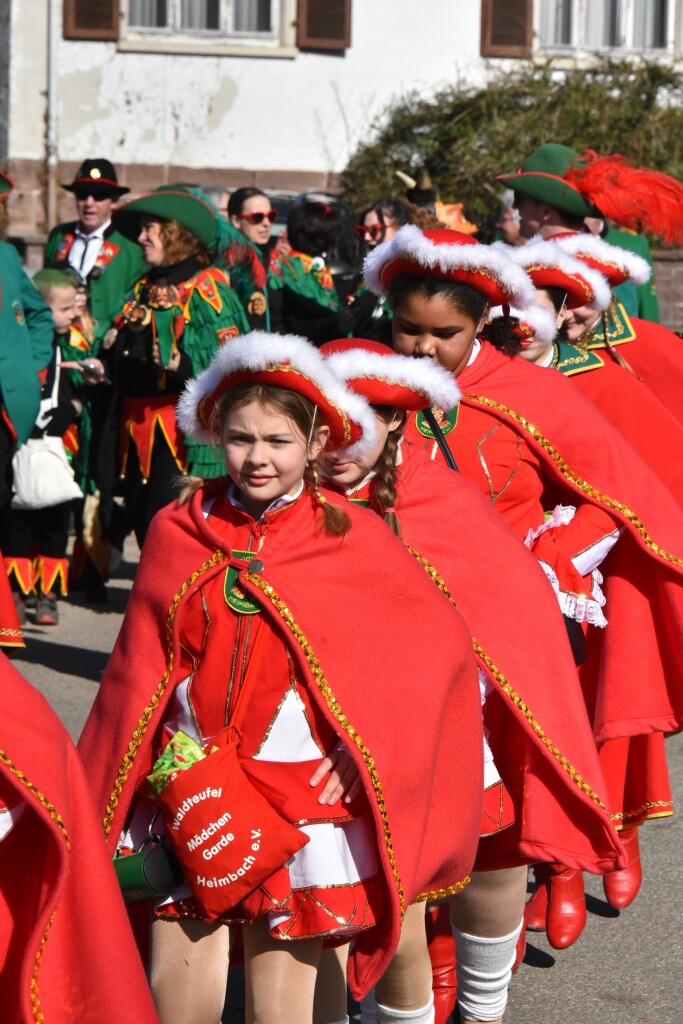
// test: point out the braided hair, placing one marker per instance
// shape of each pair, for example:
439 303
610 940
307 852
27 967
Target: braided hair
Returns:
383 484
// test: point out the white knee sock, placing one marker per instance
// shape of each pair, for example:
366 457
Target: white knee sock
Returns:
344 1020
484 969
368 1008
385 1015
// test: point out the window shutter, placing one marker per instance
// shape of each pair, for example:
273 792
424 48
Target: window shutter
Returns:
506 28
323 24
91 19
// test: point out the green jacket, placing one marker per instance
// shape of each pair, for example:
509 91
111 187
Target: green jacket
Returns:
118 267
638 300
26 333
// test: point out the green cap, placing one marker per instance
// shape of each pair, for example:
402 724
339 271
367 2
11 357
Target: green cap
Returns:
169 202
542 178
5 184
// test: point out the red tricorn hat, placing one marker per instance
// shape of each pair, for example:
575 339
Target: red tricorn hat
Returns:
284 361
617 265
449 256
549 265
386 378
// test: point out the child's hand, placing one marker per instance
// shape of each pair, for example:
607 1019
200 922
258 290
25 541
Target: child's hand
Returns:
344 777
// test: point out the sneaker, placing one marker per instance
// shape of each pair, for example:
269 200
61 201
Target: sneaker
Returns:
20 607
46 610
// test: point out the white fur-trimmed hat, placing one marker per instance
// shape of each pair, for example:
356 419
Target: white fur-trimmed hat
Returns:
549 265
449 256
535 323
616 264
386 378
284 361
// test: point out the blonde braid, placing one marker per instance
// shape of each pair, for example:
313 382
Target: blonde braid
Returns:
336 521
383 484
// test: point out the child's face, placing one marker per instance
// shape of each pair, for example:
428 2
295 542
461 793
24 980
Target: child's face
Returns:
436 328
62 302
346 473
266 453
579 321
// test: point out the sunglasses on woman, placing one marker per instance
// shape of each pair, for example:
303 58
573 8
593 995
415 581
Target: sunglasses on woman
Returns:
258 218
375 231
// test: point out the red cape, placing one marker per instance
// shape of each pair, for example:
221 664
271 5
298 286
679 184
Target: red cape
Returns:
542 740
632 407
67 952
640 667
654 353
346 608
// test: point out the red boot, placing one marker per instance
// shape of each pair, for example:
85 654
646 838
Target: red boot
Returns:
621 887
520 950
536 907
566 917
442 955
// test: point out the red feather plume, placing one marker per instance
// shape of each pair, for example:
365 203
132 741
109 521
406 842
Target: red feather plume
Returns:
635 197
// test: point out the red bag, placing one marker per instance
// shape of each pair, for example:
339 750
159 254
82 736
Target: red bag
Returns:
225 834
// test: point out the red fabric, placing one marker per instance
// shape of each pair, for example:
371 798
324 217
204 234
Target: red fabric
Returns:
139 420
10 630
374 664
55 868
656 355
504 596
630 405
637 666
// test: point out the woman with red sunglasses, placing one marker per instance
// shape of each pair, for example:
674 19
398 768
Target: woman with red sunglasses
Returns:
248 257
372 315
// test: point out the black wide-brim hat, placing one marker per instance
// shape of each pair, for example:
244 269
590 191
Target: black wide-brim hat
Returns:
169 202
98 177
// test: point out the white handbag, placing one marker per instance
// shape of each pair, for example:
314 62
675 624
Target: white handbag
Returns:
42 473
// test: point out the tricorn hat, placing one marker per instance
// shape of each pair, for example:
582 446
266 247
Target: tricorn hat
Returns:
97 177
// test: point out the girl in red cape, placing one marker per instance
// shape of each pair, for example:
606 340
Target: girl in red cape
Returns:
652 353
263 580
543 745
564 285
67 953
533 445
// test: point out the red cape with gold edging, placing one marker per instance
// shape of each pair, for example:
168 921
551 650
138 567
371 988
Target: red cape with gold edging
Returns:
66 948
400 688
638 668
539 730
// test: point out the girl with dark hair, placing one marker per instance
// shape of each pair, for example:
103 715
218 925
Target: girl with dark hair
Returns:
181 311
310 304
519 662
256 604
529 441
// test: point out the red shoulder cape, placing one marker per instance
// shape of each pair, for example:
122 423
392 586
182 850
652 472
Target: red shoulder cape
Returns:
641 656
346 608
543 743
656 355
66 948
643 420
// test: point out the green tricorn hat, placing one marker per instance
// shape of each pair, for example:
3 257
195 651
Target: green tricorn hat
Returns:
169 202
541 177
5 184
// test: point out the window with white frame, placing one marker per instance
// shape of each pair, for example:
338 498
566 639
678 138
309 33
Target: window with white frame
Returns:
598 25
222 20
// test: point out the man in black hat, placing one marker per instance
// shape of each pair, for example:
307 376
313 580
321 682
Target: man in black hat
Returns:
109 263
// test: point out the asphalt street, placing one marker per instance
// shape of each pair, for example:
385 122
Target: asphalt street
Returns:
625 969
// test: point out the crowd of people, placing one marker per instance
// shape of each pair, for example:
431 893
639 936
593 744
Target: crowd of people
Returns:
304 466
